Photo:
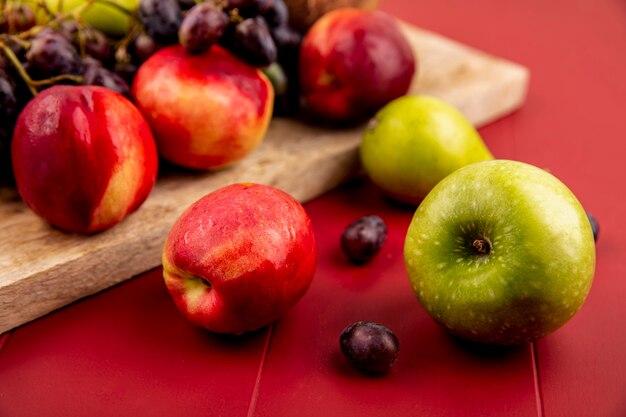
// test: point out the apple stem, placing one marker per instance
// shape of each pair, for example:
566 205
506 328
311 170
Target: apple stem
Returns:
481 246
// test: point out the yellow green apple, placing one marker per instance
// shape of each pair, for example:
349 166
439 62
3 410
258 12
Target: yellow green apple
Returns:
500 252
416 141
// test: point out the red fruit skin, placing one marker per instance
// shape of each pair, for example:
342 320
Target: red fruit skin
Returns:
353 62
208 110
254 244
83 157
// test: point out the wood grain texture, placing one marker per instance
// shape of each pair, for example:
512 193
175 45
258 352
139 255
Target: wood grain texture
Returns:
42 269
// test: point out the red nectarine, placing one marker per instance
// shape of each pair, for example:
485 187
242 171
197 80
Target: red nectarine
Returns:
83 157
239 258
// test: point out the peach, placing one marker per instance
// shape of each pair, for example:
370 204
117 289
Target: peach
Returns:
83 157
353 62
207 111
239 258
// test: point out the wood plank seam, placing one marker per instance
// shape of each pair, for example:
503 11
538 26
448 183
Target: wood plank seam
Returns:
537 379
257 383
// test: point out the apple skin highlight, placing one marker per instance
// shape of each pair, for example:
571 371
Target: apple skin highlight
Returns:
240 258
84 157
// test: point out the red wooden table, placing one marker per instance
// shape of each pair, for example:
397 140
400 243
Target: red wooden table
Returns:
128 352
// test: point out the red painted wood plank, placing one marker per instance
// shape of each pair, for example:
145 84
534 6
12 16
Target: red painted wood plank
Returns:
435 375
126 352
573 124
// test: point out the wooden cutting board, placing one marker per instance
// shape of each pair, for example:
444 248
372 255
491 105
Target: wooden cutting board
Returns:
42 269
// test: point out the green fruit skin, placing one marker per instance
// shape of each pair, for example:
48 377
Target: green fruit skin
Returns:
416 141
110 20
542 262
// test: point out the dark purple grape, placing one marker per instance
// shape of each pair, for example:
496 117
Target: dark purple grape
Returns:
10 106
370 347
202 27
287 41
16 17
363 238
69 27
161 20
16 47
96 74
595 227
8 99
277 15
144 47
97 45
127 71
253 42
51 54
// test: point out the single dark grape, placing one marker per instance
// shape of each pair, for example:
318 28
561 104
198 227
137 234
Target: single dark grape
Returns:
96 74
161 19
277 15
144 47
253 42
363 238
595 227
202 27
370 347
51 53
97 45
16 17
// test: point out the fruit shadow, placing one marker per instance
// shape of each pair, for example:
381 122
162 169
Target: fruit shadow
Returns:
361 192
309 118
354 276
486 351
343 368
233 343
169 170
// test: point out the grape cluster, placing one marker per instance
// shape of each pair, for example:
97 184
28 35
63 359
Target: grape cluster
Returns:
66 50
34 57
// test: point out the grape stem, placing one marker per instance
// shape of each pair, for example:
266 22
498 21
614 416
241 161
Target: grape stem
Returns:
30 83
78 79
19 67
121 53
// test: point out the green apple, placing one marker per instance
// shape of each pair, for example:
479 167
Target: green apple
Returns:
500 252
102 15
416 141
